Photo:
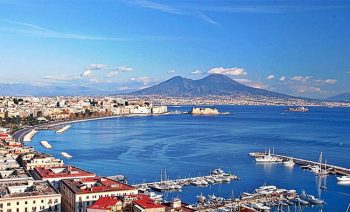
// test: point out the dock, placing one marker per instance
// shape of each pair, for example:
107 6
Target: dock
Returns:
216 177
334 169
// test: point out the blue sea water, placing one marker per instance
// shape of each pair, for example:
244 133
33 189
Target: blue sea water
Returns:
185 145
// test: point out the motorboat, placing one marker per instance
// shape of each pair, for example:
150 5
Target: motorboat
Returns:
289 163
344 178
268 158
311 199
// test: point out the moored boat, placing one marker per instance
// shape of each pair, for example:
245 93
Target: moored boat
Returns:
344 178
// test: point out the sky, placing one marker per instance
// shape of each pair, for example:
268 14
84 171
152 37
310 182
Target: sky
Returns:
295 47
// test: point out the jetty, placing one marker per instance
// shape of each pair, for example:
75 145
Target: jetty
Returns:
334 169
216 176
63 129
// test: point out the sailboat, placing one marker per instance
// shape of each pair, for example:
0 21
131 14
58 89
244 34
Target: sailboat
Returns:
319 170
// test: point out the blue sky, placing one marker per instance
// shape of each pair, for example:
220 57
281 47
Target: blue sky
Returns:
295 47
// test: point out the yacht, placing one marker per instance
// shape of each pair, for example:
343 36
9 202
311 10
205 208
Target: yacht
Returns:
46 144
66 155
289 163
268 158
344 178
311 199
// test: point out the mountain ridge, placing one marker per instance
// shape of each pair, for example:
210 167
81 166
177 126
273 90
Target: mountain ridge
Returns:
214 84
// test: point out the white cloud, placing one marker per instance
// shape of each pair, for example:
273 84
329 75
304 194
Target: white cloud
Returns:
270 77
112 74
144 79
59 78
87 73
124 69
171 72
196 72
95 67
283 78
327 81
301 78
123 88
228 71
308 89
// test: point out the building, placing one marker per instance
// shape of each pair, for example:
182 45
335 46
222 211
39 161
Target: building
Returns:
34 159
146 204
107 204
79 194
29 196
55 174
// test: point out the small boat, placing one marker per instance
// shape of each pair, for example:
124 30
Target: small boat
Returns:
298 201
268 158
344 178
323 187
66 155
46 144
289 163
201 198
311 199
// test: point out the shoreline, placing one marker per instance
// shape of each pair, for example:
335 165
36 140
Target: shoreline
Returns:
20 134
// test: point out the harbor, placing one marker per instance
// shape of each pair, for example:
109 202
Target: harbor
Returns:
304 163
217 176
264 198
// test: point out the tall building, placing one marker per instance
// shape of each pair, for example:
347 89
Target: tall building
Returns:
79 194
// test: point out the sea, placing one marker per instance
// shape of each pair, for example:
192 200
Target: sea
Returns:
182 145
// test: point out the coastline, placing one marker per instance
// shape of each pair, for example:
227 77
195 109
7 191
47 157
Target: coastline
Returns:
20 134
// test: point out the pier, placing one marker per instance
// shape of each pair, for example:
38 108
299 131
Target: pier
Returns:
303 162
216 176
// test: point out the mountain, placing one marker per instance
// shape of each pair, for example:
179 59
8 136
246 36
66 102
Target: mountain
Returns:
215 84
344 97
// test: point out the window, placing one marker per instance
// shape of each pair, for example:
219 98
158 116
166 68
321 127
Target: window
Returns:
8 204
33 201
9 210
42 201
1 205
25 202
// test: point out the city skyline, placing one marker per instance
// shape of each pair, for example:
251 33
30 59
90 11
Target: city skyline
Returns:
297 48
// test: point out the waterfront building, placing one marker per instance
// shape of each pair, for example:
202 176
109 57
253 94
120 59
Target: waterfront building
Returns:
106 204
159 109
55 174
28 196
79 194
35 159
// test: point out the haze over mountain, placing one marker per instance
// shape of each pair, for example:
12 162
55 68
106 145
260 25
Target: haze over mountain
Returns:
344 97
215 84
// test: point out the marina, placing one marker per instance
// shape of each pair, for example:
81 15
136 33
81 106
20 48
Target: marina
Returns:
264 198
319 168
216 176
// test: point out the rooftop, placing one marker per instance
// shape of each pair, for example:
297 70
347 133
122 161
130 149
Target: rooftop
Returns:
105 203
63 171
146 202
95 185
24 188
